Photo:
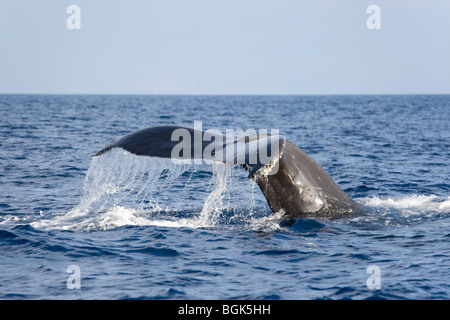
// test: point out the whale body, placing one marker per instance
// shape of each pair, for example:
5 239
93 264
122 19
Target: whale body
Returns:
291 181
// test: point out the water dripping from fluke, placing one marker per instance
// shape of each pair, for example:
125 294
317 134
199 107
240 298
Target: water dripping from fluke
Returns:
124 189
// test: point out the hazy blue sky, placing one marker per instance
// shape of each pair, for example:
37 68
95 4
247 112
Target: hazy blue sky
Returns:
225 47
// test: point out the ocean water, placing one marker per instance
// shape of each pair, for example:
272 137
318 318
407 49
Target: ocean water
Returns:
119 226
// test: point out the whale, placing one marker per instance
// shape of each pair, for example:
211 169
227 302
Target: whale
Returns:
292 182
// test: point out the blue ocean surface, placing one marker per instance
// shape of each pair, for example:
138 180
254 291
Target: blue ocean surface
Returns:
120 226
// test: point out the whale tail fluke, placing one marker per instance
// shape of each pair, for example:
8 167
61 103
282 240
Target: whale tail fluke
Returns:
256 153
290 179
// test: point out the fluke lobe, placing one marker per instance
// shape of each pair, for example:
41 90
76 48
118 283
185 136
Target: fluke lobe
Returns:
292 182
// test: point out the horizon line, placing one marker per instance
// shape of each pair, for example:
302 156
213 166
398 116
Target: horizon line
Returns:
228 94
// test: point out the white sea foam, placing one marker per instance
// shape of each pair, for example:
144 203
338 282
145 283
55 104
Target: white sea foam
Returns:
411 205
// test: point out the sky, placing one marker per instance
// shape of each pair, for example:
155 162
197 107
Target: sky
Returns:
225 47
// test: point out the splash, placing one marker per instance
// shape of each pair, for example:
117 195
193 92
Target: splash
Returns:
124 189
